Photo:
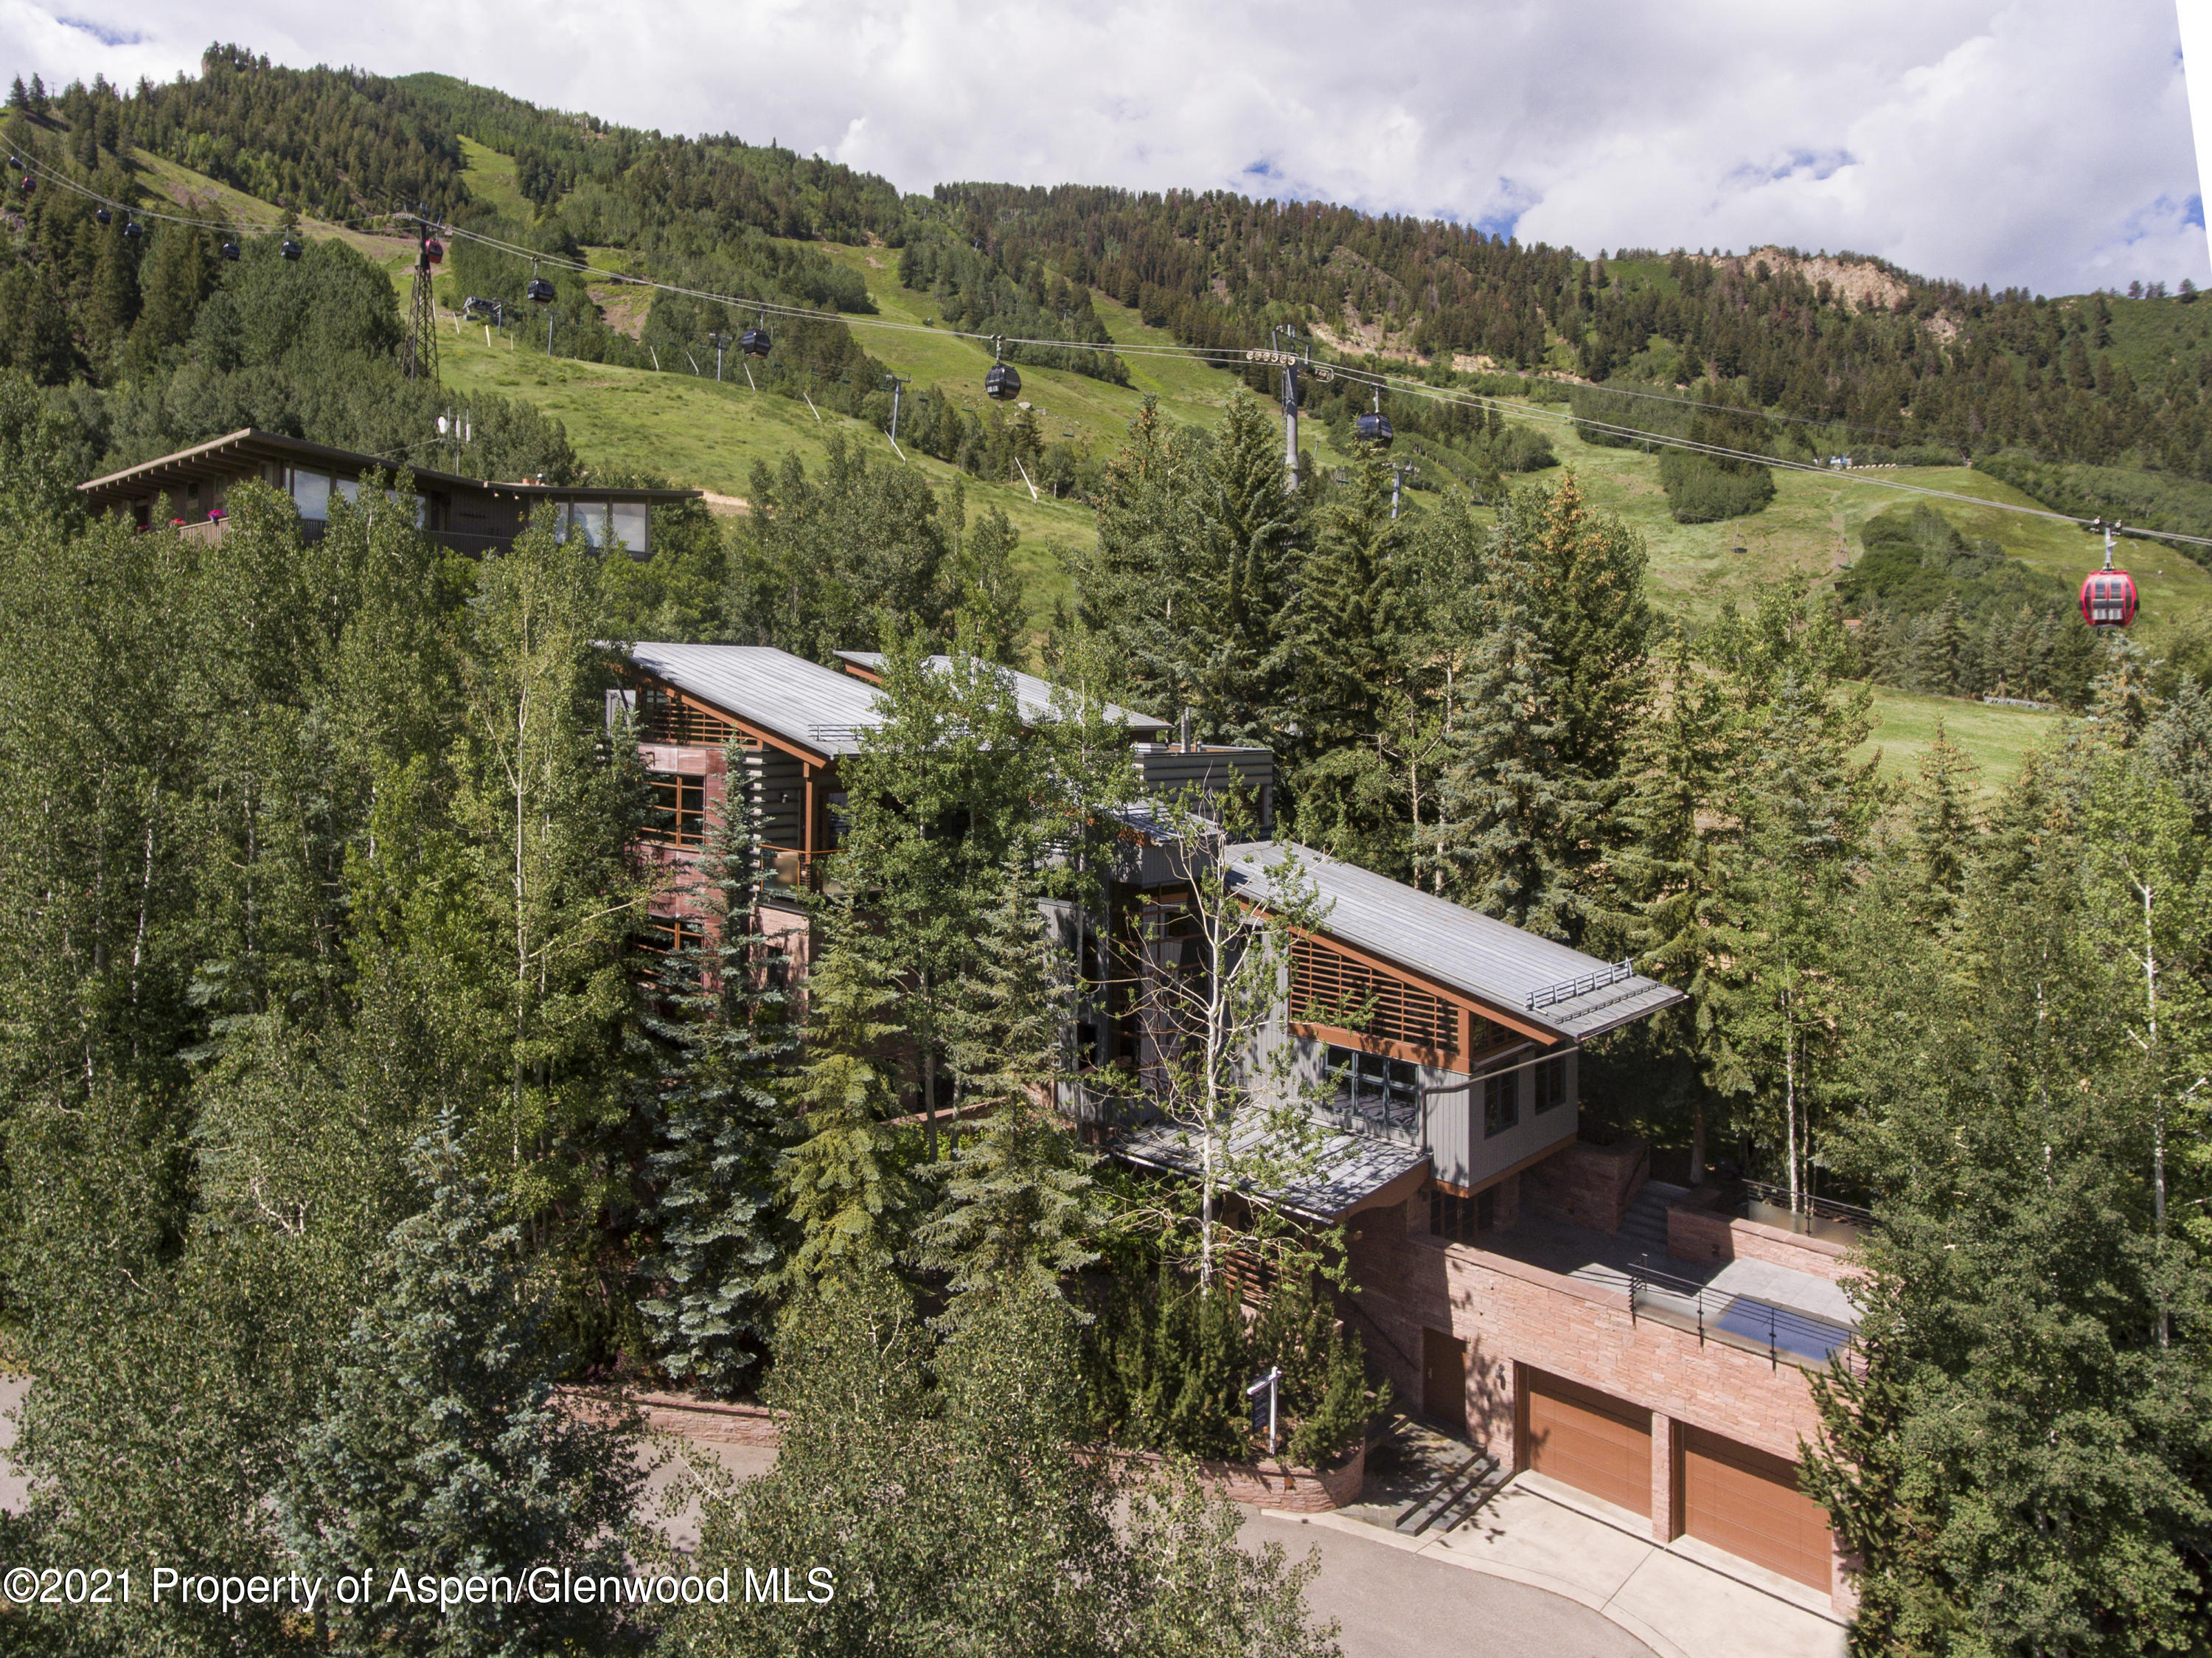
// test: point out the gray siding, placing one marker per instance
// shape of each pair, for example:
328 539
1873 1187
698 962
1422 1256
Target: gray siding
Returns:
778 783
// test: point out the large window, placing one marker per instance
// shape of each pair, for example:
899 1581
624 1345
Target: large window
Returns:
1501 1102
1384 1092
627 523
679 816
1551 1084
1462 1219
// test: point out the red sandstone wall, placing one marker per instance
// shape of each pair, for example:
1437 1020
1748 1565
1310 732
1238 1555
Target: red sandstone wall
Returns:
1508 1313
1590 1184
1268 1484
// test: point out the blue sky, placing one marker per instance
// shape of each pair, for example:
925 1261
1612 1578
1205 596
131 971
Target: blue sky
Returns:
2046 144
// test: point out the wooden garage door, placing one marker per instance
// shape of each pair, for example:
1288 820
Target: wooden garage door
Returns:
1590 1441
1747 1502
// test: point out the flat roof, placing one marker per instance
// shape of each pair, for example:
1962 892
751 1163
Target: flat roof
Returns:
1548 983
251 444
1342 1171
1032 696
802 703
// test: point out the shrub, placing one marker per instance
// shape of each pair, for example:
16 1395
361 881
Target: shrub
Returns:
1703 490
1166 1367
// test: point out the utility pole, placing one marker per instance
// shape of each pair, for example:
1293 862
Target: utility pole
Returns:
418 356
719 341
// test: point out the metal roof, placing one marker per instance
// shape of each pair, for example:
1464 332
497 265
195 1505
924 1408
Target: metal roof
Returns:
1547 983
811 706
1346 1169
1032 696
249 444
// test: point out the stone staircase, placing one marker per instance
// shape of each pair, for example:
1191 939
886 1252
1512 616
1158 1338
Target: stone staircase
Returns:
1429 1481
1642 1233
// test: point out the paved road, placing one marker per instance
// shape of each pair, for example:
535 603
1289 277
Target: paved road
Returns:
1393 1604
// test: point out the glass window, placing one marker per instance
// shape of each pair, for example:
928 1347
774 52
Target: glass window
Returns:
1501 1102
310 494
350 489
1461 1218
1380 1090
627 523
587 522
1551 1081
672 934
678 813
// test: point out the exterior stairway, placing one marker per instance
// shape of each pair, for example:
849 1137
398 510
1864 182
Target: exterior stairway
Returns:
1429 1481
1643 1232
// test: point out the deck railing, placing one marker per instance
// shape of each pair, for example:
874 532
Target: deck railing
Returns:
1824 1209
1733 1320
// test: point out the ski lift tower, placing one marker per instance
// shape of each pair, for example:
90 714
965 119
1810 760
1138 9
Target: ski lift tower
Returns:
418 358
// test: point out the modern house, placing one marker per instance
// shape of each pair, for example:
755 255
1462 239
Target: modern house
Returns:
1638 1349
192 489
1642 1346
794 721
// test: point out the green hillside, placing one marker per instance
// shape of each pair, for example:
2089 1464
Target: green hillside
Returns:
622 378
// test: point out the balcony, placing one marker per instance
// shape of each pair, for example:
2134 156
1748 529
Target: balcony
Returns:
1783 1333
1785 1314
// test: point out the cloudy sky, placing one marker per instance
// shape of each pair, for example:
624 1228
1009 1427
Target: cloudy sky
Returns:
2044 143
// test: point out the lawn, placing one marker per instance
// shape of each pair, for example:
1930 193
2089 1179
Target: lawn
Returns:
708 436
1997 738
1811 527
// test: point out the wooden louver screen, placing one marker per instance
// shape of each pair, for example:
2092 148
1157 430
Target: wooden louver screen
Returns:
664 717
1330 988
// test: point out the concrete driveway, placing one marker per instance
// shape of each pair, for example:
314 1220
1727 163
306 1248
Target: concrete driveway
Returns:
1394 1603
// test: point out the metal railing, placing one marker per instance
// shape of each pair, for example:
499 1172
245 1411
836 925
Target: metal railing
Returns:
1825 1209
1732 1320
1568 989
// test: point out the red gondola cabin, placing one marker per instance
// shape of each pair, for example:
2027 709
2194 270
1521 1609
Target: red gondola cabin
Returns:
2108 598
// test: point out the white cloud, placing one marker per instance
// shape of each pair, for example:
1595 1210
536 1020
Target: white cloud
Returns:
2042 142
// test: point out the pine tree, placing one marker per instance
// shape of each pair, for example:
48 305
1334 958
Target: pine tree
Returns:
989 589
175 281
844 1185
2122 698
721 1240
1773 1005
1352 620
1586 596
443 1451
1943 828
939 800
1944 662
1511 815
1018 1199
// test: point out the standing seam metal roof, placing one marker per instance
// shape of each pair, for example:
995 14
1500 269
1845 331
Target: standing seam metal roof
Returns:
802 702
1475 953
1032 696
